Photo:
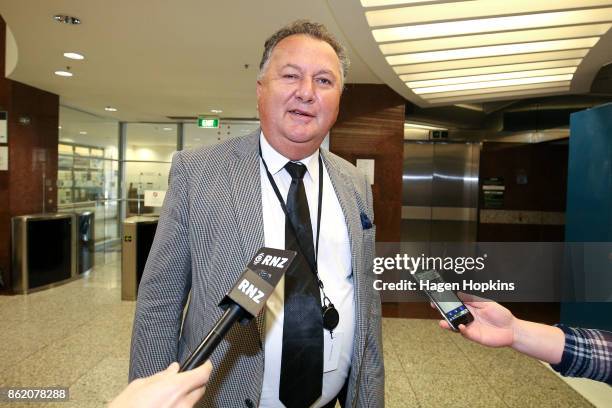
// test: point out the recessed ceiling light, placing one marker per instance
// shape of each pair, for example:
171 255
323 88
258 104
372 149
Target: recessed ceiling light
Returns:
493 84
491 51
63 73
59 127
506 37
168 128
74 55
493 90
501 60
526 90
378 3
470 107
421 126
82 132
489 16
488 70
216 111
60 18
110 109
491 77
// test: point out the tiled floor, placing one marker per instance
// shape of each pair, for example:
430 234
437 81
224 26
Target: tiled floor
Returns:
77 335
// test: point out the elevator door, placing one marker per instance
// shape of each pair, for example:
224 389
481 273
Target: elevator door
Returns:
440 191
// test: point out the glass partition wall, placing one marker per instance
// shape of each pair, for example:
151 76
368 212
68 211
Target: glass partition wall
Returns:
112 169
88 177
148 155
195 137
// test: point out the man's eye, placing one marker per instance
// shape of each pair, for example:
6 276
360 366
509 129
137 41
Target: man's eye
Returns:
290 76
324 81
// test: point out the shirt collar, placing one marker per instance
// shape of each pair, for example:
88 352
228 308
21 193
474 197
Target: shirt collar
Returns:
276 161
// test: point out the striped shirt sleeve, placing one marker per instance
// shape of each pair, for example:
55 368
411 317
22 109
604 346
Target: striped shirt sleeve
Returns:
587 353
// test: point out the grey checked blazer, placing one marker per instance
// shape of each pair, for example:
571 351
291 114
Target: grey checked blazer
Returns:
210 227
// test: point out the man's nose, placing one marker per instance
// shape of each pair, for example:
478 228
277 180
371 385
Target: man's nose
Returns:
305 91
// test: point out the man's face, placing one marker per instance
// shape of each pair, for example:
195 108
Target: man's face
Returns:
299 94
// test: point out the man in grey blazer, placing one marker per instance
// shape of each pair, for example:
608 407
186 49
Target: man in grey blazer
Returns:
221 208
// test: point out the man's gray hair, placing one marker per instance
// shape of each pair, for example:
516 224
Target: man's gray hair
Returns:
314 30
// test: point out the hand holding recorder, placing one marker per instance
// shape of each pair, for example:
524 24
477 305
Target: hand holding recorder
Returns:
496 326
454 312
573 352
493 323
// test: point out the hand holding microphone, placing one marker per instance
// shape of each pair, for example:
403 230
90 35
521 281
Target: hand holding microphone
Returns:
245 299
166 389
184 386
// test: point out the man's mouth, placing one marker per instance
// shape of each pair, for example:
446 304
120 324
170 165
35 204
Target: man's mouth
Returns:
301 113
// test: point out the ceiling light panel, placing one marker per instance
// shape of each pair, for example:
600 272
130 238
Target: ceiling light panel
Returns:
422 76
491 77
497 89
470 107
493 84
412 125
490 51
503 60
485 9
74 55
512 37
379 3
501 95
448 50
495 24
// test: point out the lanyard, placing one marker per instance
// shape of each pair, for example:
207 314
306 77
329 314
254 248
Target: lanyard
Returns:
284 207
329 313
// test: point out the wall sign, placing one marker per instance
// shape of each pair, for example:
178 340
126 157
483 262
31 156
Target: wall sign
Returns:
3 127
367 167
154 198
4 158
493 189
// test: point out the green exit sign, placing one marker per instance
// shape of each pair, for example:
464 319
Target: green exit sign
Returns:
208 123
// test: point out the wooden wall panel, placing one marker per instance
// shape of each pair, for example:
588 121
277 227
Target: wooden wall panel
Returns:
33 150
5 232
32 153
370 125
544 169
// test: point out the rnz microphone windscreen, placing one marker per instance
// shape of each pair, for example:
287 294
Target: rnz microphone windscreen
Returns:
245 299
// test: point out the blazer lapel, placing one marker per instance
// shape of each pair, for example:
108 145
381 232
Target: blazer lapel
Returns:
345 192
245 182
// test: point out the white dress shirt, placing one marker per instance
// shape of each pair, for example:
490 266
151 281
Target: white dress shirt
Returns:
334 264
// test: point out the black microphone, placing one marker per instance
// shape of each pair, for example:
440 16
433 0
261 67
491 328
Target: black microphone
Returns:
245 300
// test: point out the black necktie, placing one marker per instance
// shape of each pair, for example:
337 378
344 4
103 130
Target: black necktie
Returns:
301 377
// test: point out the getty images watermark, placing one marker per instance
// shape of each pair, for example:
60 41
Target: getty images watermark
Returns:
501 271
458 265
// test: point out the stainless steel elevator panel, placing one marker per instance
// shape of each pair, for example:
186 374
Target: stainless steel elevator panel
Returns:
454 176
417 174
440 191
417 180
